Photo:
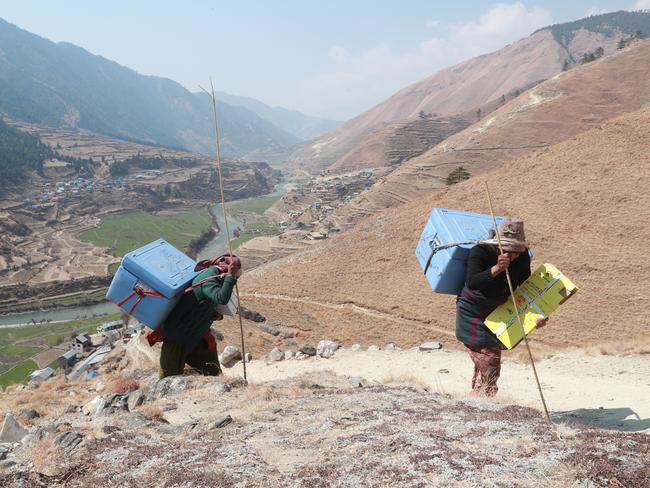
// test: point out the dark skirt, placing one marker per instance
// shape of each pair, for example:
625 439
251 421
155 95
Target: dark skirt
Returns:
472 307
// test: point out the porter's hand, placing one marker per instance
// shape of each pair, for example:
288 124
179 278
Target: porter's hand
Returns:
503 261
234 270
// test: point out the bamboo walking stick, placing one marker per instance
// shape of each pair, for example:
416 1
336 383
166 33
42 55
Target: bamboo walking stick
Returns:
514 303
225 216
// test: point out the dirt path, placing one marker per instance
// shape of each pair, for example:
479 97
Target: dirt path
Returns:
352 307
606 391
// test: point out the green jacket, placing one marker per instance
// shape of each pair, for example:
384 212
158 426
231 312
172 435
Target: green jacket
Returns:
192 316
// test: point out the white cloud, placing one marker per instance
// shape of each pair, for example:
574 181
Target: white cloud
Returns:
642 5
359 80
597 11
430 24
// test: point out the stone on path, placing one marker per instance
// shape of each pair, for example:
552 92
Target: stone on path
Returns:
230 355
430 346
12 431
308 350
373 349
391 347
276 355
355 347
288 354
326 349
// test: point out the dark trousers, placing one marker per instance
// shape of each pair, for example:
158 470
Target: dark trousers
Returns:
173 359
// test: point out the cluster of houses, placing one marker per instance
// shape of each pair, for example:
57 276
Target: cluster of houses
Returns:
75 188
326 194
82 350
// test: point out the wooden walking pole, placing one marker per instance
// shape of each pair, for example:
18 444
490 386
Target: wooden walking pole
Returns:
514 303
225 216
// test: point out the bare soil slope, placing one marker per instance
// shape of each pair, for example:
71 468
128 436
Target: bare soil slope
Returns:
473 83
586 205
552 111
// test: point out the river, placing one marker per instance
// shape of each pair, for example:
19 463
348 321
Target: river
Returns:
215 247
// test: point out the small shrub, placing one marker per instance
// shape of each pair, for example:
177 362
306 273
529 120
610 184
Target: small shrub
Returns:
457 175
122 385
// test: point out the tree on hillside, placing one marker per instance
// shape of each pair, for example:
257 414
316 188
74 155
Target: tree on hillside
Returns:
592 56
457 175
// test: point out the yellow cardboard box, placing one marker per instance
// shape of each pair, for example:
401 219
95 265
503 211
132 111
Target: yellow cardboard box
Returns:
539 296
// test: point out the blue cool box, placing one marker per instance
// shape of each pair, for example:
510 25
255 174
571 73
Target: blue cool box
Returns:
446 273
157 266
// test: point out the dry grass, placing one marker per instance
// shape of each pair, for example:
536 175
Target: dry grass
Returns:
152 412
122 385
640 345
410 380
47 457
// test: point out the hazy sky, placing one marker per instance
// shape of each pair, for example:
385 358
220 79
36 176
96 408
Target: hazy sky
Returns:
333 58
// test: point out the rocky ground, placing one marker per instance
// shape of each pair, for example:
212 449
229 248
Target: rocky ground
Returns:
126 428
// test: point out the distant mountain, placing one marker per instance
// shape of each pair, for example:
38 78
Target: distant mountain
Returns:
63 85
300 125
479 80
553 111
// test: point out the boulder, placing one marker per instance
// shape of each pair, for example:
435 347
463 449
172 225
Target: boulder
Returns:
251 315
326 349
230 355
430 346
5 449
68 441
276 355
269 329
172 385
136 420
110 404
308 350
29 414
91 407
219 423
12 431
288 354
136 398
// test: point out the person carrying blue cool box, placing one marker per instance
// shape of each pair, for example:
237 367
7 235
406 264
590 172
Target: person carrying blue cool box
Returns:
185 334
485 289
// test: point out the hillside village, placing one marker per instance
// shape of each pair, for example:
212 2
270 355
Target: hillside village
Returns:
351 373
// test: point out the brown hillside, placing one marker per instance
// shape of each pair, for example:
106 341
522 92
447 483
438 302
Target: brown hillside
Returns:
552 111
586 206
460 88
399 142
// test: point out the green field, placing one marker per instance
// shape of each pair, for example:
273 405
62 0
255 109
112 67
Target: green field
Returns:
53 334
18 374
257 205
22 351
262 227
252 209
126 232
71 300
